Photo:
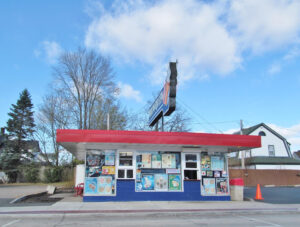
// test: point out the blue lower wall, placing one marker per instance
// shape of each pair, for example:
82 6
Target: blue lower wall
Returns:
126 192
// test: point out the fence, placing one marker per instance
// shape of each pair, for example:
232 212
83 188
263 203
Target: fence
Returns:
252 177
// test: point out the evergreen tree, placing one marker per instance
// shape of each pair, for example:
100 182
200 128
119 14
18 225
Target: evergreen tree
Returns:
20 128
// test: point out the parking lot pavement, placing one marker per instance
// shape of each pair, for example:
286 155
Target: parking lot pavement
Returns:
275 195
10 192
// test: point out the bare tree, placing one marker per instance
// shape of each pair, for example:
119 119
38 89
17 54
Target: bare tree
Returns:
53 114
84 77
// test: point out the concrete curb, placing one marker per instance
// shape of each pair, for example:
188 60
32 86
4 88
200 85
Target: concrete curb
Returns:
22 198
149 211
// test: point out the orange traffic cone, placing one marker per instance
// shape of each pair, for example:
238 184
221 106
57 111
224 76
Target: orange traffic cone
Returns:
258 193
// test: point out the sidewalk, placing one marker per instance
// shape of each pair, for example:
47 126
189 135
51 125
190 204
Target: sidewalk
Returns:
150 207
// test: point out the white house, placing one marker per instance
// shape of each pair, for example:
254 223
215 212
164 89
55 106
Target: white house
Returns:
274 152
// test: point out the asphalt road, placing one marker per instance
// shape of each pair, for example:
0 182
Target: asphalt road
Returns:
156 219
276 195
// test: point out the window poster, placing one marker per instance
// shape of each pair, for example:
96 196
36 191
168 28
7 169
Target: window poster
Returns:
110 158
161 182
209 186
169 161
203 173
148 182
138 186
156 161
146 160
93 160
205 162
108 170
217 163
105 185
209 173
90 186
222 185
217 174
138 175
174 182
93 171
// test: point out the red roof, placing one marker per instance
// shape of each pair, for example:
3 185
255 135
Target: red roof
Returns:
161 138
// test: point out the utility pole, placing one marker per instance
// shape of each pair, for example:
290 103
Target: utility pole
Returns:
243 152
107 121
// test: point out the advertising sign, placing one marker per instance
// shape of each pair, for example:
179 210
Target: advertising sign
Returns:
165 103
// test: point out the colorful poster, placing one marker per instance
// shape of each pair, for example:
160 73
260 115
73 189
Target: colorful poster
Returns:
209 186
205 162
156 161
203 173
90 186
93 171
217 163
108 170
217 174
222 185
93 160
110 158
148 182
224 173
174 182
138 186
146 160
161 182
209 173
138 175
105 185
169 161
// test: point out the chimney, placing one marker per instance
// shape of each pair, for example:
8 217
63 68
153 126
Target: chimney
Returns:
2 131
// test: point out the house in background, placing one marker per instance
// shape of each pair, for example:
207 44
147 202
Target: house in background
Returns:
274 152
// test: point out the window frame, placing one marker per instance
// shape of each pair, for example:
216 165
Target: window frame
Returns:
183 164
270 150
125 168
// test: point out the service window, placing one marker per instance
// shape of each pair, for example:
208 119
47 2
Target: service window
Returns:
125 164
191 166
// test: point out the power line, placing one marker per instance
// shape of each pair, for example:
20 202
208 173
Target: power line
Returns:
198 115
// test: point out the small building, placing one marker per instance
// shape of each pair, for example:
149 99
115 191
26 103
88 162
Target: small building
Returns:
274 152
157 166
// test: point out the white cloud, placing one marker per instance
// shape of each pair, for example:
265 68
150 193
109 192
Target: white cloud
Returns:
275 68
187 30
49 50
293 53
206 37
128 92
264 25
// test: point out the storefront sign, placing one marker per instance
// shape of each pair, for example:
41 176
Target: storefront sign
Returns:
165 103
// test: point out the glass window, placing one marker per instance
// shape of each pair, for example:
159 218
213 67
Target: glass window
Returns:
121 173
190 174
191 161
261 133
271 150
125 159
129 173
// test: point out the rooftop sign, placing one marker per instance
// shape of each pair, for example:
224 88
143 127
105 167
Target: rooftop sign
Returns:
165 103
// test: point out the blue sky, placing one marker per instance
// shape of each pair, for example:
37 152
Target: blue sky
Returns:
237 59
